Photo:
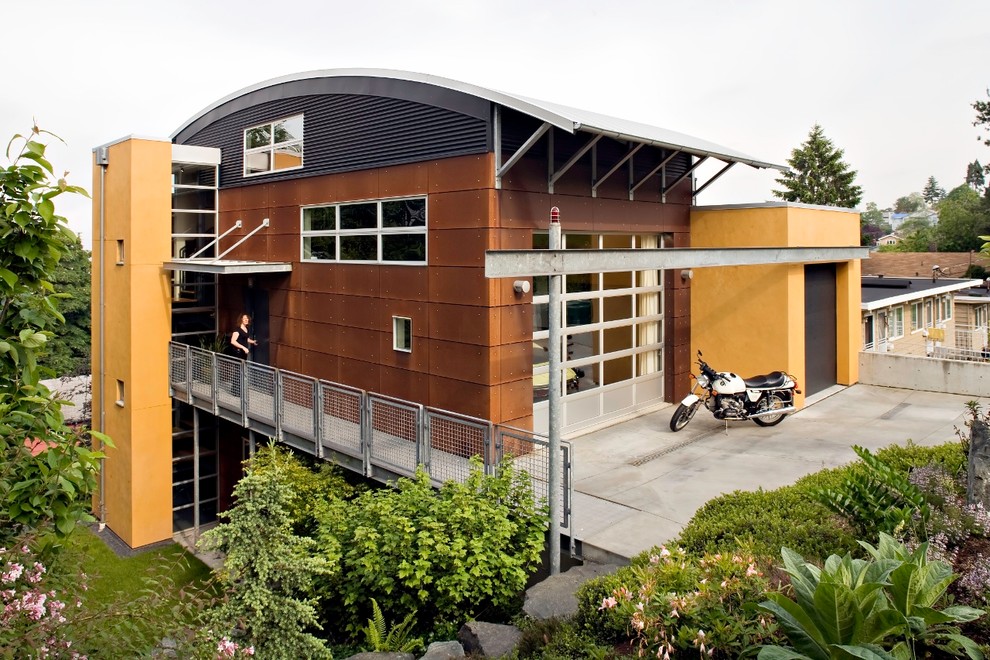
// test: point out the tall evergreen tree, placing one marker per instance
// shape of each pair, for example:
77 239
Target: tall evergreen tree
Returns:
974 176
818 175
933 193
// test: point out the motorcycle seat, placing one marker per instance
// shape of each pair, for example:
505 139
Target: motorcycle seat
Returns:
772 379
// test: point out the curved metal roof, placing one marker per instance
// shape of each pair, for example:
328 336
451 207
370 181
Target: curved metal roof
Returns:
566 118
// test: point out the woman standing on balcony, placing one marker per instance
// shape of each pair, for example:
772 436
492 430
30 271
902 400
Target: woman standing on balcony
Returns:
240 340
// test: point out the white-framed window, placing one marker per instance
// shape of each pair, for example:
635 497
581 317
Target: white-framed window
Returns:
946 308
895 319
378 231
402 334
274 146
917 320
929 315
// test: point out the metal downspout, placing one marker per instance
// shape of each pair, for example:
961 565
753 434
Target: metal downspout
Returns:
102 340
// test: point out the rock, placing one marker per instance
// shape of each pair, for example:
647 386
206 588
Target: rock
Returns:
444 651
555 597
372 655
492 640
978 481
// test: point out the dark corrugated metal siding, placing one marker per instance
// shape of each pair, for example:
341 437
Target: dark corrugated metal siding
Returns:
344 132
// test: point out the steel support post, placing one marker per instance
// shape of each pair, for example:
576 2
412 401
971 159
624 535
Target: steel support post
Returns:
554 399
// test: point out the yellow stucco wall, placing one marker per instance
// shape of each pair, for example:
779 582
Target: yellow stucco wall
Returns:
136 319
750 319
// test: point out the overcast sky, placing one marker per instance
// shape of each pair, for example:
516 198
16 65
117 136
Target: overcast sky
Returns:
891 83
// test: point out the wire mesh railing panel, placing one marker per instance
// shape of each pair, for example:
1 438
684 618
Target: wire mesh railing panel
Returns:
297 398
230 377
530 453
341 424
178 367
202 373
452 442
261 384
394 434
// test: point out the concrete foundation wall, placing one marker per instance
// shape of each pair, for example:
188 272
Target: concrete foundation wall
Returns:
922 373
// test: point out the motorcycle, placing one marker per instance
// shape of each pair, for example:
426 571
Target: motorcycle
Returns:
765 399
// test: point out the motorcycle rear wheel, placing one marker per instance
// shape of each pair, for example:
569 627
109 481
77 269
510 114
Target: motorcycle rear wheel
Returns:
772 402
683 415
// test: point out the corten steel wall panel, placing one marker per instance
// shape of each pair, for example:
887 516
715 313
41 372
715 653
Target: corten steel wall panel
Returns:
465 362
358 280
362 344
515 362
461 286
460 247
358 185
464 323
320 278
461 209
404 180
468 173
360 374
516 403
467 398
405 384
320 307
358 312
344 132
405 283
320 365
515 324
417 360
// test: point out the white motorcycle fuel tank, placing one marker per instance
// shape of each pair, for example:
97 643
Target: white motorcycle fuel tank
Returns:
729 383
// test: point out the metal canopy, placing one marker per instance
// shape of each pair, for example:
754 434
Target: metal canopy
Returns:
526 263
227 266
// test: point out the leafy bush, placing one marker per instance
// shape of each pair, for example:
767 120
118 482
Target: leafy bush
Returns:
605 625
312 484
681 603
765 521
951 456
876 497
448 554
553 639
384 639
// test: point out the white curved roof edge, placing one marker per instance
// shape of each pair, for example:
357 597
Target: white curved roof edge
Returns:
563 117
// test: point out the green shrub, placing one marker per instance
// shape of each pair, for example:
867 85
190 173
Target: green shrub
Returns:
553 639
448 554
765 521
312 483
676 602
602 624
951 456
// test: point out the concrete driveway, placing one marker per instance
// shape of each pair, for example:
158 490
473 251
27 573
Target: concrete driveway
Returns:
637 484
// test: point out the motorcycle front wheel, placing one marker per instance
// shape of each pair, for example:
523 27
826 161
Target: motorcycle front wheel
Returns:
683 415
772 402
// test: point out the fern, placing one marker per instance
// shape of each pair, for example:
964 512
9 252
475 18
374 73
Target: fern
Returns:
396 640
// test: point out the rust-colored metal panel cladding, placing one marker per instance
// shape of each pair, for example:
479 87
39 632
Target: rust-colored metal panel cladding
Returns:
464 323
465 173
461 209
465 362
475 399
460 247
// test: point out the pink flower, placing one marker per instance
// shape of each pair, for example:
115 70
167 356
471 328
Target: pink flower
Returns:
608 603
751 571
226 648
249 650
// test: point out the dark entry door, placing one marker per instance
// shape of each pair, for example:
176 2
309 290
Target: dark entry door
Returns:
819 327
256 304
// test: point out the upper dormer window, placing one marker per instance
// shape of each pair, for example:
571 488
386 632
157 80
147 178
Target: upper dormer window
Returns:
274 146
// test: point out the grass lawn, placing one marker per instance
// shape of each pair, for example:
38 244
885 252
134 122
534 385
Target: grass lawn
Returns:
131 603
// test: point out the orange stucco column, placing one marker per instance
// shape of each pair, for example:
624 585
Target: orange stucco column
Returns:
131 403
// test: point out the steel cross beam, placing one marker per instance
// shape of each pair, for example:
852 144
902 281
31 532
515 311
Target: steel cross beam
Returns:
526 263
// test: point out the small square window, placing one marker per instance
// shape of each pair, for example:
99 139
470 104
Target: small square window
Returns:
402 334
120 252
120 393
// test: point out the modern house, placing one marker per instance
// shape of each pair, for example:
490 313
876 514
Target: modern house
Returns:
349 212
911 315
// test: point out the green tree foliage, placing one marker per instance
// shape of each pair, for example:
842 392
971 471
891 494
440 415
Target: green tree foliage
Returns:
918 235
983 120
446 555
974 176
962 217
268 570
48 471
872 225
909 203
818 175
932 193
68 354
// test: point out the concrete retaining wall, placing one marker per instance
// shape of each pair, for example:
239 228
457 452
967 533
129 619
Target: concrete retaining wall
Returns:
923 373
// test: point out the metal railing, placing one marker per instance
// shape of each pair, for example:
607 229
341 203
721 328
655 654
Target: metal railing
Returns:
380 436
